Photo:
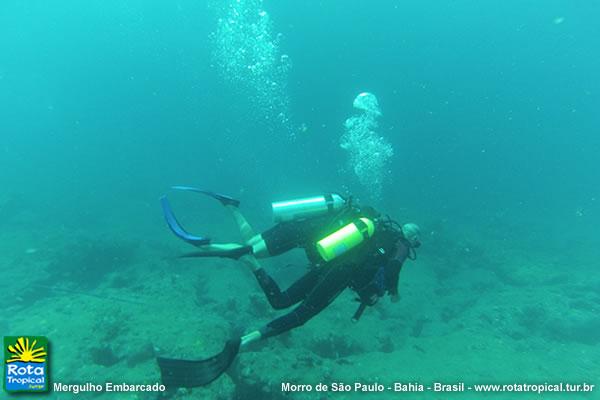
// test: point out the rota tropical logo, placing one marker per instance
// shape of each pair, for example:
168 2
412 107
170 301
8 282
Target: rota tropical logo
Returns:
26 364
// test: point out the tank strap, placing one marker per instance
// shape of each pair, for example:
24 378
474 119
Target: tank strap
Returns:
362 228
329 201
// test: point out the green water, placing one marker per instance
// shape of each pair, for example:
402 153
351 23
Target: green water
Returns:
490 110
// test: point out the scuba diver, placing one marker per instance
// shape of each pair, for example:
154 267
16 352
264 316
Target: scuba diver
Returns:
348 246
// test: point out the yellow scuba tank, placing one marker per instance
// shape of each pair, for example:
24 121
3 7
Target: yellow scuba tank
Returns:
346 238
306 207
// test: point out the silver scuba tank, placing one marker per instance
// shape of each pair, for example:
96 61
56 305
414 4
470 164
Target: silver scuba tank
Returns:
306 207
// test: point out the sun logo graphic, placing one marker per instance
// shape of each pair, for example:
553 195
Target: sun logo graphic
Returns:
26 364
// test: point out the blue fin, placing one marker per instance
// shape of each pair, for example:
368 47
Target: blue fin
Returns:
176 227
222 198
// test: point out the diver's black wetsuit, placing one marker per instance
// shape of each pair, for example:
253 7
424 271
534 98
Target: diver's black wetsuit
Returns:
370 271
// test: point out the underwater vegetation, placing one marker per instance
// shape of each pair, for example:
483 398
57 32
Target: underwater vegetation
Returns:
87 262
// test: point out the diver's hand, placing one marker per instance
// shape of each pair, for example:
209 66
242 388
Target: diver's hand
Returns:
395 298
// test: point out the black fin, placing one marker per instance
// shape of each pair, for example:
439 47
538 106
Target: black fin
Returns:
193 373
233 253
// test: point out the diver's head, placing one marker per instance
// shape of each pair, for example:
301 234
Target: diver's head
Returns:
412 233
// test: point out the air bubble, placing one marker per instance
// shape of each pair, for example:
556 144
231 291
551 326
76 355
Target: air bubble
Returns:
369 154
